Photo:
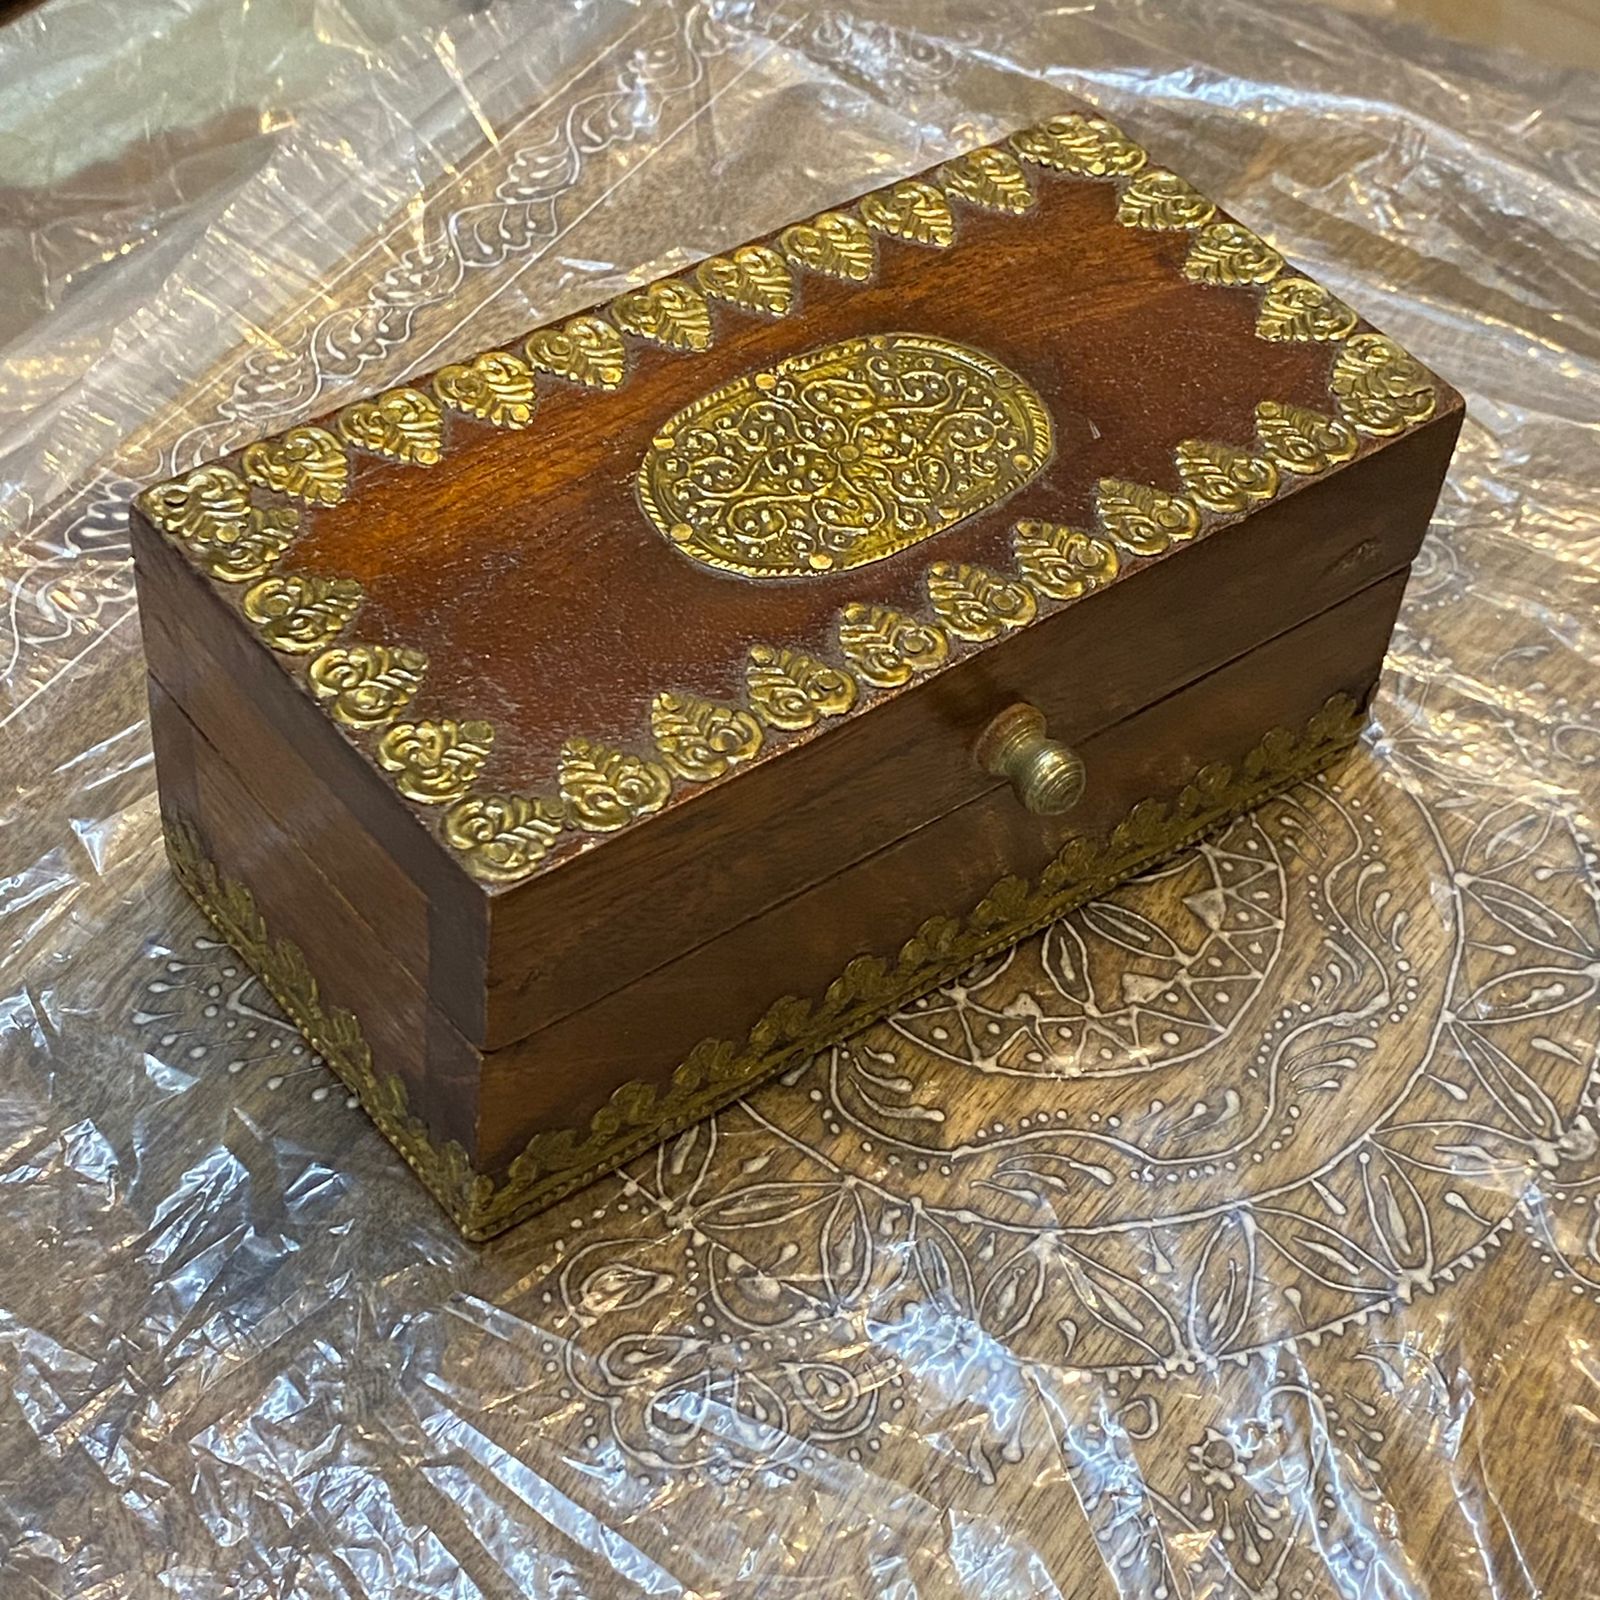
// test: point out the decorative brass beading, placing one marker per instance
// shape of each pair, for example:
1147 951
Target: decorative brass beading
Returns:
586 350
1162 201
306 463
754 278
672 314
1063 563
842 456
403 424
1228 253
301 612
494 387
434 762
1301 440
1297 308
502 837
791 690
976 604
992 178
558 1161
1084 147
834 244
209 513
605 788
888 648
700 739
1145 520
1382 388
911 210
1224 479
366 685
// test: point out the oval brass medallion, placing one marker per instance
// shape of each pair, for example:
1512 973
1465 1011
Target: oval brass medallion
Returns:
842 456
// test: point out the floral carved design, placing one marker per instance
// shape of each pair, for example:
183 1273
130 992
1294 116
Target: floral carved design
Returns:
435 762
586 350
1086 147
834 244
502 837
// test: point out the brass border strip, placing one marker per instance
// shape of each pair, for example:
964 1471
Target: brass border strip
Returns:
559 1161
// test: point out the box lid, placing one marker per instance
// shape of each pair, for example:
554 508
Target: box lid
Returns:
651 618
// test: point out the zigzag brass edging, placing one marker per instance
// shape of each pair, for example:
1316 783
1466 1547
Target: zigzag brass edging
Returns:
639 1115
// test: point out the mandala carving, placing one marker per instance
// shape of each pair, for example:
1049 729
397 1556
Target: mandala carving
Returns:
842 456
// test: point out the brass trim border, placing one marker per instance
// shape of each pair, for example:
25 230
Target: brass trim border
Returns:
559 1161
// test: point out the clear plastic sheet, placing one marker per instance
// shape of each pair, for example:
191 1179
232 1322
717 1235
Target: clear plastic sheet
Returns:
1281 1279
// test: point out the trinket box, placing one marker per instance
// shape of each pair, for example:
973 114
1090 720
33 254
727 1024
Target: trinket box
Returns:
574 735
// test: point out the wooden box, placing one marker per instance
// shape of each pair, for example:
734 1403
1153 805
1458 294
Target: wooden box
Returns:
579 733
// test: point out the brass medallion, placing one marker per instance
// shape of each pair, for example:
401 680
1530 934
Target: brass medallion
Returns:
842 456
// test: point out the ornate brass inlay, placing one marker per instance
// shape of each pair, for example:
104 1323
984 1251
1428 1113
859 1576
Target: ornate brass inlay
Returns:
754 278
992 177
672 314
403 424
1228 253
834 244
1297 308
1301 440
365 685
1222 478
1142 519
976 604
502 837
1063 563
1162 201
842 456
300 611
792 690
605 789
560 1160
494 386
1381 387
435 761
209 512
586 350
307 463
912 210
700 739
1086 147
887 647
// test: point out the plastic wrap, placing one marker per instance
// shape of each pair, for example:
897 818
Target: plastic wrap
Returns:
1279 1278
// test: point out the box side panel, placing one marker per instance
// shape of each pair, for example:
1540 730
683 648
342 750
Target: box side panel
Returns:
210 815
497 1136
569 1075
329 805
604 919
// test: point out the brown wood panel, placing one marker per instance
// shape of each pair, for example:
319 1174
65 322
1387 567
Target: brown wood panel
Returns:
336 807
565 1072
523 566
352 968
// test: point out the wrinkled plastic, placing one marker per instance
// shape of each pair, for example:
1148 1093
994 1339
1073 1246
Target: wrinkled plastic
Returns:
1272 1267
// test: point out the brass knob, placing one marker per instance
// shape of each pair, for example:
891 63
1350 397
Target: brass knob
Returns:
1047 776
